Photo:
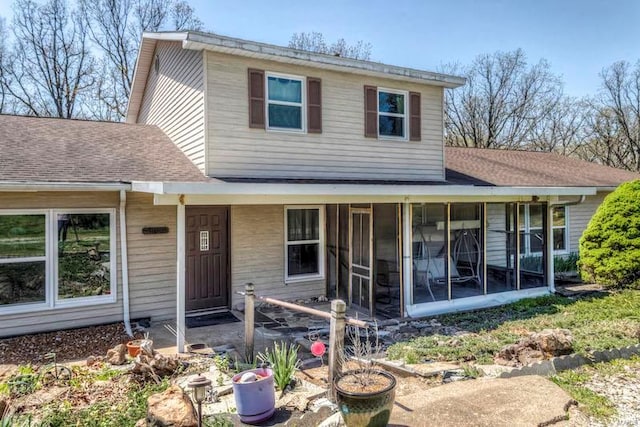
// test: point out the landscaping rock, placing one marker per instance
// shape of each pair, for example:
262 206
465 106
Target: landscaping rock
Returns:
156 366
171 408
536 347
554 342
117 355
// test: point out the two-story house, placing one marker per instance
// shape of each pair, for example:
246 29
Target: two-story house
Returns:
305 174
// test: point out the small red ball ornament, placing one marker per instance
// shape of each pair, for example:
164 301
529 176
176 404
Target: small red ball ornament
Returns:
318 348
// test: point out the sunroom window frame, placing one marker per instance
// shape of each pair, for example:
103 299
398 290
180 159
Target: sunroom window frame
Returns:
320 241
302 104
405 116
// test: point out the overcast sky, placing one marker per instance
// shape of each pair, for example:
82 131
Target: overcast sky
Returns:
578 37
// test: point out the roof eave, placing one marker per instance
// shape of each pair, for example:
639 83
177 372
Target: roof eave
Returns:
32 186
218 187
215 43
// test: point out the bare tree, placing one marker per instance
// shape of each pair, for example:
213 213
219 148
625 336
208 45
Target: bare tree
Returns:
562 130
503 101
50 67
315 42
116 27
614 119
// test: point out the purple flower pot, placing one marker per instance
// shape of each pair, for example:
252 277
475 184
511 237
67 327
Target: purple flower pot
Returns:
255 401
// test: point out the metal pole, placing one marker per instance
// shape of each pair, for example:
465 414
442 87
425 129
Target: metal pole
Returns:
249 321
336 342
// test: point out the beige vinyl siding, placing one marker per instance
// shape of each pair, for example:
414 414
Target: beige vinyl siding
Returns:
152 258
257 255
174 99
340 151
62 318
579 216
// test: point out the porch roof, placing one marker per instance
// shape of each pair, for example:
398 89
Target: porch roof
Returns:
217 191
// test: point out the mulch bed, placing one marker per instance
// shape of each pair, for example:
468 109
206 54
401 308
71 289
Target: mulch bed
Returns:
68 345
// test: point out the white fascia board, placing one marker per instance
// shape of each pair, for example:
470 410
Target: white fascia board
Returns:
62 186
230 45
245 193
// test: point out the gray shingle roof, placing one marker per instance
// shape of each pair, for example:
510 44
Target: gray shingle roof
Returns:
530 169
58 150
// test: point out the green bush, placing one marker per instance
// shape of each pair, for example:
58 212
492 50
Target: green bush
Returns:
610 246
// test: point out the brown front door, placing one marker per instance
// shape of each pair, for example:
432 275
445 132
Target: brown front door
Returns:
207 267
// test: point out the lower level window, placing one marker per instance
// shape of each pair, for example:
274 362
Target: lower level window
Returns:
303 242
53 257
22 259
84 255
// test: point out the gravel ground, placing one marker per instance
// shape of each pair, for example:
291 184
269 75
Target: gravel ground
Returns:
68 345
624 391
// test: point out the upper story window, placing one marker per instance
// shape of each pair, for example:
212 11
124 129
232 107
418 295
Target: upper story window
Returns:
285 102
392 117
392 114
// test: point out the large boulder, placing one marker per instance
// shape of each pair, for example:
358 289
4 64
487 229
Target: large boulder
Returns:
536 347
171 408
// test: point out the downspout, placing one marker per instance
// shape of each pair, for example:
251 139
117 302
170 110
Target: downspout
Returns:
124 262
550 256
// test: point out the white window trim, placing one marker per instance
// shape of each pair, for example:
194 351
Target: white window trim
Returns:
37 305
302 104
320 241
566 250
526 229
98 299
405 126
51 263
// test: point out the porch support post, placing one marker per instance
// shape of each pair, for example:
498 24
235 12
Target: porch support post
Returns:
181 276
249 321
407 268
336 342
549 248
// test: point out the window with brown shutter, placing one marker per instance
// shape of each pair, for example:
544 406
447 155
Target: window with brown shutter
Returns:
415 125
370 111
314 105
256 99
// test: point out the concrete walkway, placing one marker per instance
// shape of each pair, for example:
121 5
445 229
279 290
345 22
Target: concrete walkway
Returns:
520 401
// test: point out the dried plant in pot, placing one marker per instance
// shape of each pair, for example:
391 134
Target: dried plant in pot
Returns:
364 395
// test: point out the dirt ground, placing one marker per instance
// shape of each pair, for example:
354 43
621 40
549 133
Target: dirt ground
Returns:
68 345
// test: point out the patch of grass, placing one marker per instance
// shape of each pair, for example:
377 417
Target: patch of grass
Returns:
591 403
105 414
596 323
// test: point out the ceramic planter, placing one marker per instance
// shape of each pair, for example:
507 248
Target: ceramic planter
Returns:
369 408
256 400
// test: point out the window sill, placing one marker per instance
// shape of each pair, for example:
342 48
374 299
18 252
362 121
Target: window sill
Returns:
306 278
286 130
59 305
392 138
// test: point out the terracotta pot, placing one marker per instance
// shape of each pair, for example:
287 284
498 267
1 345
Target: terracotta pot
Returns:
133 347
369 409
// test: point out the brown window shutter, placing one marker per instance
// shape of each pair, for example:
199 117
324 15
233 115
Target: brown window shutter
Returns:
370 111
314 105
415 125
256 99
